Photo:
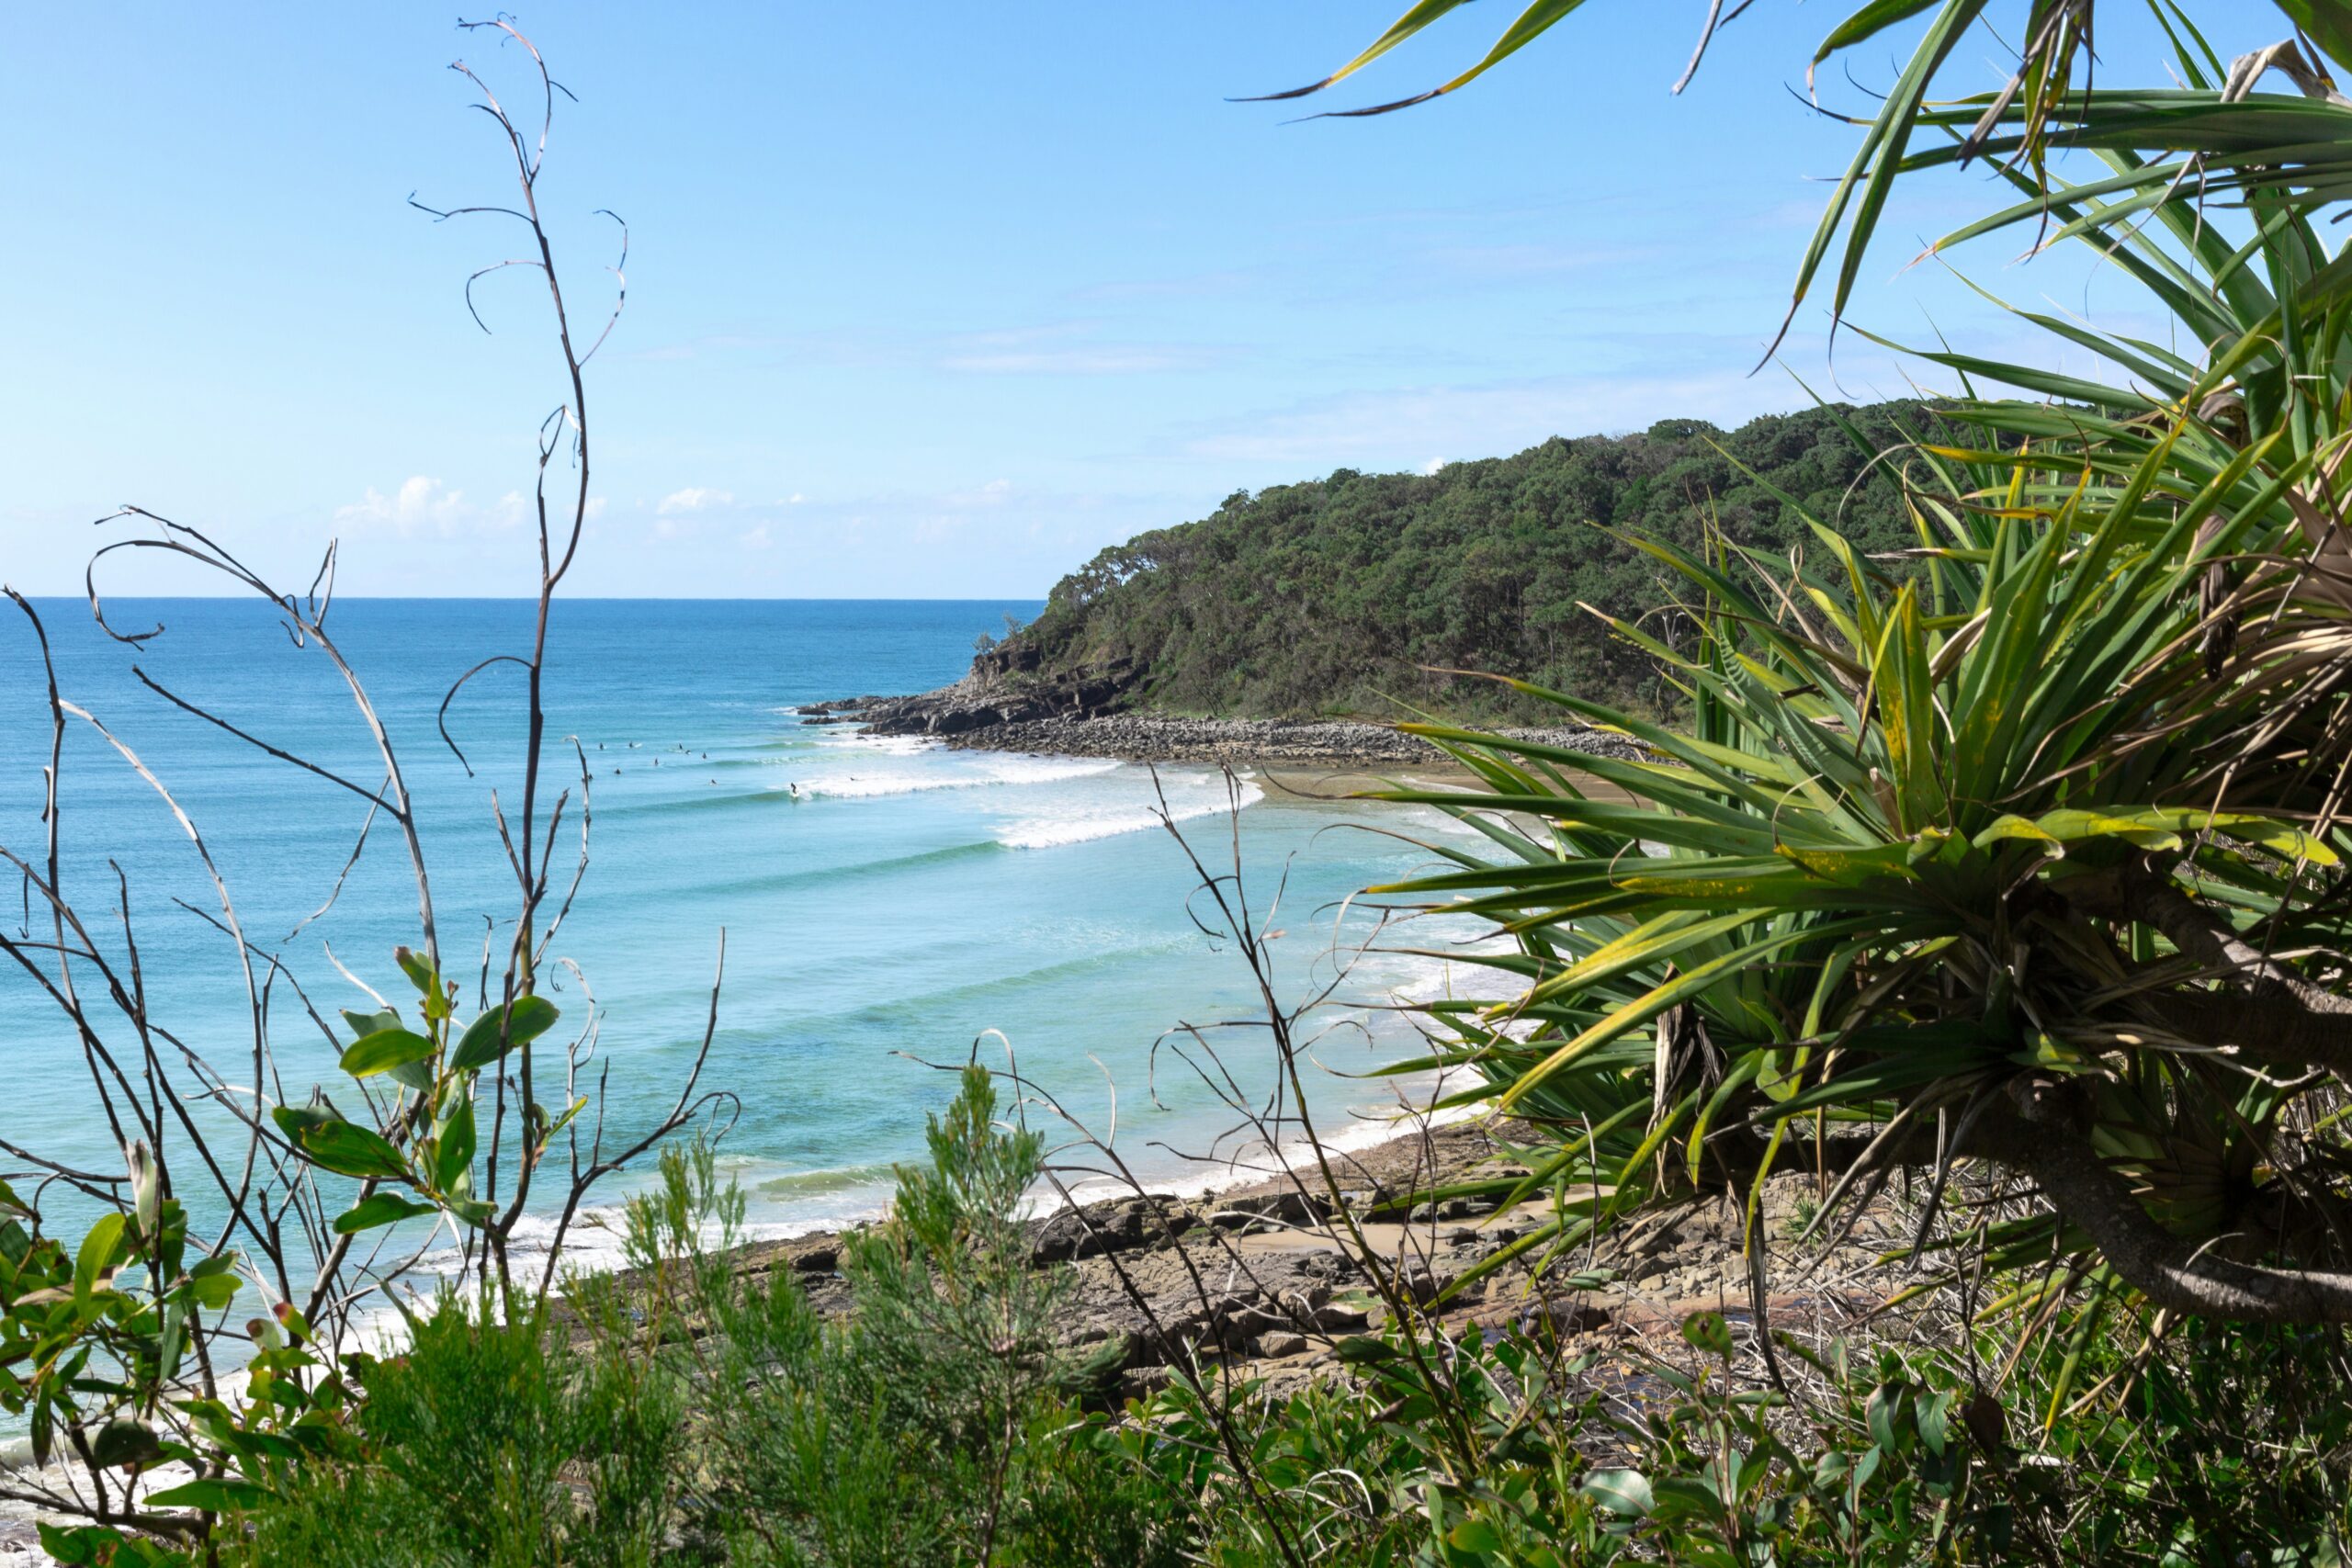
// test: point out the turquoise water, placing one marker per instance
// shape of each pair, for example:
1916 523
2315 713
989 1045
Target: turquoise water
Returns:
882 900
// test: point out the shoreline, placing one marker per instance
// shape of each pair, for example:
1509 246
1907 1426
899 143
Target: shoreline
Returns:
1285 1285
959 724
1342 744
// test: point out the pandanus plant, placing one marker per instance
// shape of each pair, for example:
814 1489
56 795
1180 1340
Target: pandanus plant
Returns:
1946 865
2022 852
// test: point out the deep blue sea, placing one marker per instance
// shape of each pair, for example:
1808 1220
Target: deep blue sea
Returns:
882 900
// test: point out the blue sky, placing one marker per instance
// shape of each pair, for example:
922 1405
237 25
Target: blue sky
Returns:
925 299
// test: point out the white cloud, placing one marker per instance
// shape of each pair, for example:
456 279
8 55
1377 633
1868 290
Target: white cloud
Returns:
693 498
422 502
1434 464
754 539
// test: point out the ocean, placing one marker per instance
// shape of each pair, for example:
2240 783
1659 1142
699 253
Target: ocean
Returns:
887 904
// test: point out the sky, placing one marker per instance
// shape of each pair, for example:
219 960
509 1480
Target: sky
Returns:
930 299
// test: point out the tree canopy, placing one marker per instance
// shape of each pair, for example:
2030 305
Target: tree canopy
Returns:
1354 593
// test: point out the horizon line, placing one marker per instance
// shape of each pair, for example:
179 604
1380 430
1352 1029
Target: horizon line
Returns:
575 598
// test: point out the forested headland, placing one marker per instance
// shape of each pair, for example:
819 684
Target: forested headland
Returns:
1345 596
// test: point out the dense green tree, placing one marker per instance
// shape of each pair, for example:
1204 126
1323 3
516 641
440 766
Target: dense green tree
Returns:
1354 593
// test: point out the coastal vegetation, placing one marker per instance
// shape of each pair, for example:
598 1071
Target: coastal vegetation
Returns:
2027 864
1361 593
1996 890
694 1412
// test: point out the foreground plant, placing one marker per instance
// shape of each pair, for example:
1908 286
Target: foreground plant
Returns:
122 1345
2020 853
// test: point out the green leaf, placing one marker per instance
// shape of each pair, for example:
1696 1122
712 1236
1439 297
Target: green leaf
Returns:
365 1024
1871 18
570 1113
1642 1009
348 1149
213 1291
419 970
95 1260
1933 1412
1524 29
1620 1491
293 1119
384 1050
1886 1403
1405 27
417 1075
2325 24
1475 1534
77 1545
1685 1497
215 1495
380 1209
525 1018
455 1155
1709 1332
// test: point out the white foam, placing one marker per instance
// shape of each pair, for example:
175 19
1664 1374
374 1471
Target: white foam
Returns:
996 772
851 740
1086 825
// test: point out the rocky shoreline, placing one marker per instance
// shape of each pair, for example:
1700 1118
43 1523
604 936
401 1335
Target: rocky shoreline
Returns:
1151 738
1002 707
1265 1281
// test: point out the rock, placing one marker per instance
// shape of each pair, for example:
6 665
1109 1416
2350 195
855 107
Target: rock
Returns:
1299 1305
818 1255
1336 1319
1004 687
1292 1207
1272 1346
1009 703
1114 1225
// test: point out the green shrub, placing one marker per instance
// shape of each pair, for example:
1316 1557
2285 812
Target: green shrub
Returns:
491 1443
2214 1448
687 1413
926 1428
